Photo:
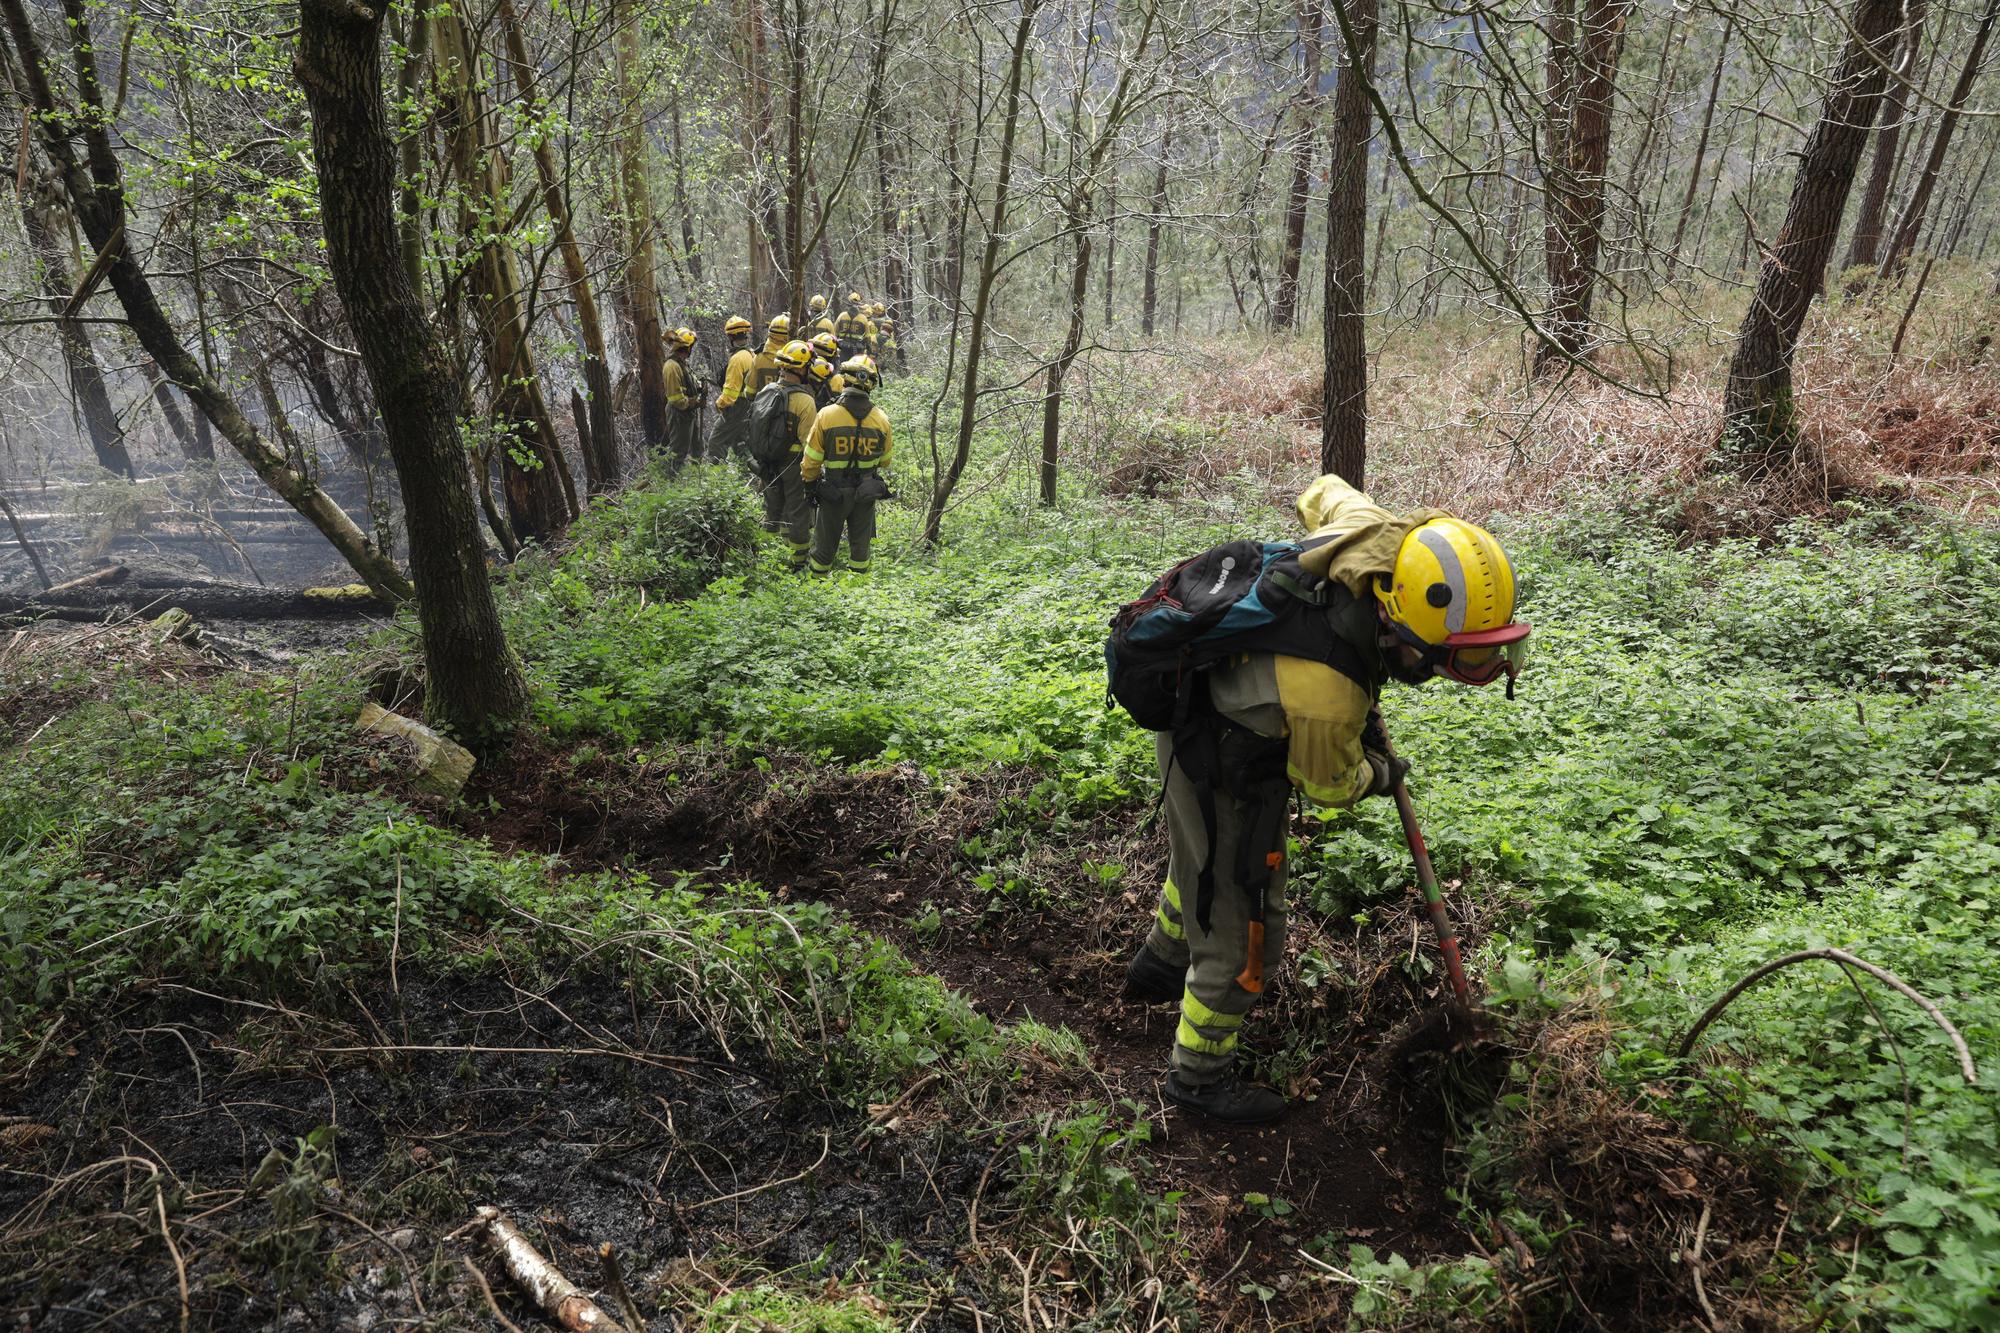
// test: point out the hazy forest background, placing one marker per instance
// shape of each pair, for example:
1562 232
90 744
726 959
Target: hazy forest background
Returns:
763 972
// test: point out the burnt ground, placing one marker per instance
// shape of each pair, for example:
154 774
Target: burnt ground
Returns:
1362 1155
689 1163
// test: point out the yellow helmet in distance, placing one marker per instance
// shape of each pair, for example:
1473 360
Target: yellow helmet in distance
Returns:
682 338
736 326
795 356
780 326
826 345
854 298
817 304
878 310
1451 597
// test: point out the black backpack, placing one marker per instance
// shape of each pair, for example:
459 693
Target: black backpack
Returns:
772 433
1241 597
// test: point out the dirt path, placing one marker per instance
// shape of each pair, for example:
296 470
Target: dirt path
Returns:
1363 1160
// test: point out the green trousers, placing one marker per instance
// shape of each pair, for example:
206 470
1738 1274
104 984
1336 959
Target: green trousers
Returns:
786 512
840 509
1215 1002
732 428
683 437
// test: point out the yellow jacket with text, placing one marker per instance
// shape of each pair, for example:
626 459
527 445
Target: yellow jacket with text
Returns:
849 438
1319 710
764 366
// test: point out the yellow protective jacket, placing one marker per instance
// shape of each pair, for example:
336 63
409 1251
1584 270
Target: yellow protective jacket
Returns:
680 386
764 366
852 327
843 445
824 324
1317 709
739 379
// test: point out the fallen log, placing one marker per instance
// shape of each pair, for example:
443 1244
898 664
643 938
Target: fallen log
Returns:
555 1295
34 558
442 766
210 601
95 578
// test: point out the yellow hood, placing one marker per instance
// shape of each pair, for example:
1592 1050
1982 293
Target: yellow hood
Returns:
1366 537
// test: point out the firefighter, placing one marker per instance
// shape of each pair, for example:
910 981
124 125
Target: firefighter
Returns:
732 405
876 314
1432 595
764 366
685 395
817 320
843 470
786 510
853 329
826 352
891 346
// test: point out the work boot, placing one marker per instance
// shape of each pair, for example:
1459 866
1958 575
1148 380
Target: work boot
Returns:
1151 979
1228 1099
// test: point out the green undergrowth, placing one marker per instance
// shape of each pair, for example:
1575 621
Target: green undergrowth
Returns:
232 836
1719 755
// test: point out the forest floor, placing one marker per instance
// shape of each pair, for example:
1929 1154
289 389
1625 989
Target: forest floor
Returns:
781 952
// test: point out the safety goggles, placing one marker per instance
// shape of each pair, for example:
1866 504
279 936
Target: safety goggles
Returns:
1483 656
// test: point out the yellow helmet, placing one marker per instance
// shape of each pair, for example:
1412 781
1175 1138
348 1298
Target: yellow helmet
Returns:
682 337
821 369
878 309
854 298
794 355
817 304
826 345
1451 597
781 326
860 371
736 326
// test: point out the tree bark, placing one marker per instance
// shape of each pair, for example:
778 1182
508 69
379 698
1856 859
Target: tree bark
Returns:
1285 305
600 444
642 293
1760 418
1149 298
1701 142
1867 239
1343 440
96 190
473 687
1584 49
1052 394
40 218
989 267
1912 220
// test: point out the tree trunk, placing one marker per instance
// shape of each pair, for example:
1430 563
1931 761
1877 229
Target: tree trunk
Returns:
642 293
1149 299
1912 220
473 687
989 268
1760 418
1343 438
1285 306
599 445
531 465
41 219
1583 73
1052 395
1867 240
96 190
1701 143
795 154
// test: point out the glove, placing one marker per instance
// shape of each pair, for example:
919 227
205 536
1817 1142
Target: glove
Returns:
812 493
1388 773
1374 736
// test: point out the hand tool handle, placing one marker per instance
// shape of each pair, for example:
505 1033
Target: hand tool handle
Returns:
1428 881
